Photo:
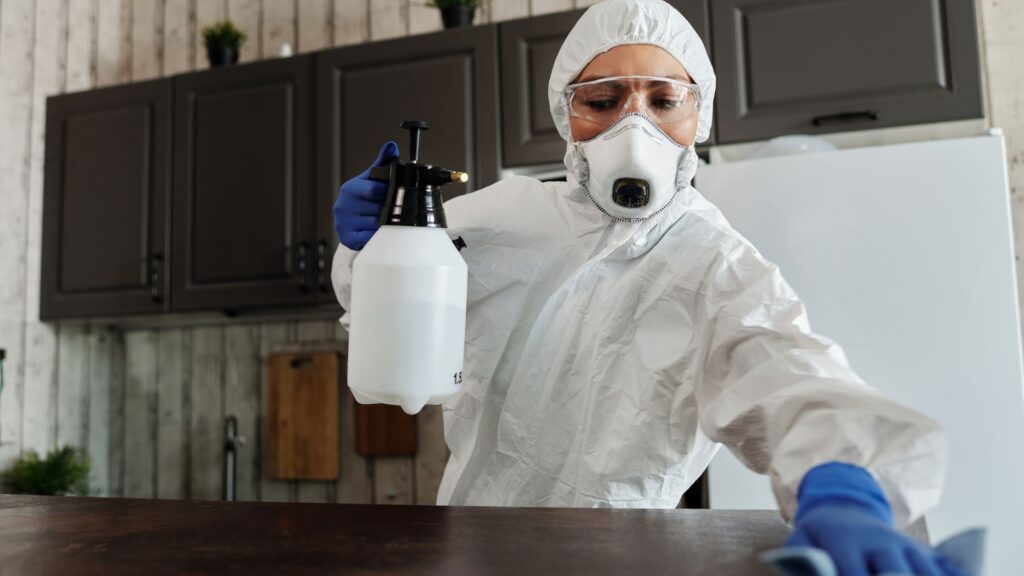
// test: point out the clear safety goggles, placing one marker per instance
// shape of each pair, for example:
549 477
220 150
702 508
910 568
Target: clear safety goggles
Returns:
605 100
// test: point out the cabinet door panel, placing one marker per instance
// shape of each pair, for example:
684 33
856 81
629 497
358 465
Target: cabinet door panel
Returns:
529 47
104 201
831 65
365 92
243 162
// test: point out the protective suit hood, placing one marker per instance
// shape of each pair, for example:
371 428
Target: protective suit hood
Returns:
620 22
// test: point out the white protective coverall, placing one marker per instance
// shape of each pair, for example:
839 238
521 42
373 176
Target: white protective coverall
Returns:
606 361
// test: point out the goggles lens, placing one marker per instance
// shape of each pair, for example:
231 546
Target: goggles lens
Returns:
604 101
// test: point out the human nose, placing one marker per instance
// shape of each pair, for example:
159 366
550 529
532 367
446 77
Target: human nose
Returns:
633 104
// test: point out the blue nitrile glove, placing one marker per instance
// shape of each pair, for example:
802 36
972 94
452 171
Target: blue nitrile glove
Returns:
842 510
360 200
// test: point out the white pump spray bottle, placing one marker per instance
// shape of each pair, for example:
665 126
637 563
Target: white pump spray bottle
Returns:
408 316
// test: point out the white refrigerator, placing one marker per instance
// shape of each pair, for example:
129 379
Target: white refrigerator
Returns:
904 255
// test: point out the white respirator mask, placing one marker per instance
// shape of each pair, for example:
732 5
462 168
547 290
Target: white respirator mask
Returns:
632 167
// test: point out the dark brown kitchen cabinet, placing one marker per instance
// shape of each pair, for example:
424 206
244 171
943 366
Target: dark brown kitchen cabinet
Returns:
243 166
448 79
528 50
832 65
104 202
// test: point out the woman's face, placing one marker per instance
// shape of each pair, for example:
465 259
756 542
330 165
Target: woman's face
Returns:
638 60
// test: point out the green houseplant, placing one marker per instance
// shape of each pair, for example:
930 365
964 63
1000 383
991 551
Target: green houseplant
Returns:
222 41
63 471
456 13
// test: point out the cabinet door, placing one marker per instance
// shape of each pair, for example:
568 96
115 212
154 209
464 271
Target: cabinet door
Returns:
528 50
104 213
242 186
365 92
831 65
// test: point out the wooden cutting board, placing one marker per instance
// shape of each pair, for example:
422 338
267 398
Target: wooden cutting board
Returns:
302 416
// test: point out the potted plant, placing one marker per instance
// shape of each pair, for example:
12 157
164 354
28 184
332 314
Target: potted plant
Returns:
63 471
456 13
222 41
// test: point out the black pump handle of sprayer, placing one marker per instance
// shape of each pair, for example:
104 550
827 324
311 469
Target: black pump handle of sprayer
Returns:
383 173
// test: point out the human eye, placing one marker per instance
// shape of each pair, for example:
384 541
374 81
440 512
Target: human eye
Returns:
601 104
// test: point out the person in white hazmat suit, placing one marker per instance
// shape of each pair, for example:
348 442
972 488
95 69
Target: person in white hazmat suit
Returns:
619 331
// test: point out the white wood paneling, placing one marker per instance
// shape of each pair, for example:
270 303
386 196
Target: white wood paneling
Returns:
179 21
113 41
173 381
314 24
431 455
140 412
16 66
393 480
509 9
351 22
538 7
73 386
207 414
355 482
425 18
40 384
242 400
278 26
80 39
101 378
147 39
388 19
246 16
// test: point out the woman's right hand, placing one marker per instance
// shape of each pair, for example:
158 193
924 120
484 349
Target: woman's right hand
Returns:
360 201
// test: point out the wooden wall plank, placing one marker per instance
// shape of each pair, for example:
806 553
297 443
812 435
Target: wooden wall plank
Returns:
538 7
101 376
586 3
313 333
179 24
431 454
40 383
40 409
140 411
425 18
207 414
314 24
351 22
509 10
147 39
271 336
393 480
246 15
355 482
278 26
113 41
16 44
1002 42
242 399
208 12
73 386
173 389
116 459
388 19
81 41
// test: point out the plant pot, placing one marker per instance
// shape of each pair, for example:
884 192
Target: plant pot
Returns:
221 56
458 15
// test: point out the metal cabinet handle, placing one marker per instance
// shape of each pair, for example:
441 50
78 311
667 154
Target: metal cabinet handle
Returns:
321 266
846 117
302 266
155 280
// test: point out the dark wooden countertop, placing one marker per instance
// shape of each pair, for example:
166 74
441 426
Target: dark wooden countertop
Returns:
68 536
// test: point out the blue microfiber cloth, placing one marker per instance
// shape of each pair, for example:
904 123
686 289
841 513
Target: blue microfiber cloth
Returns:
966 550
